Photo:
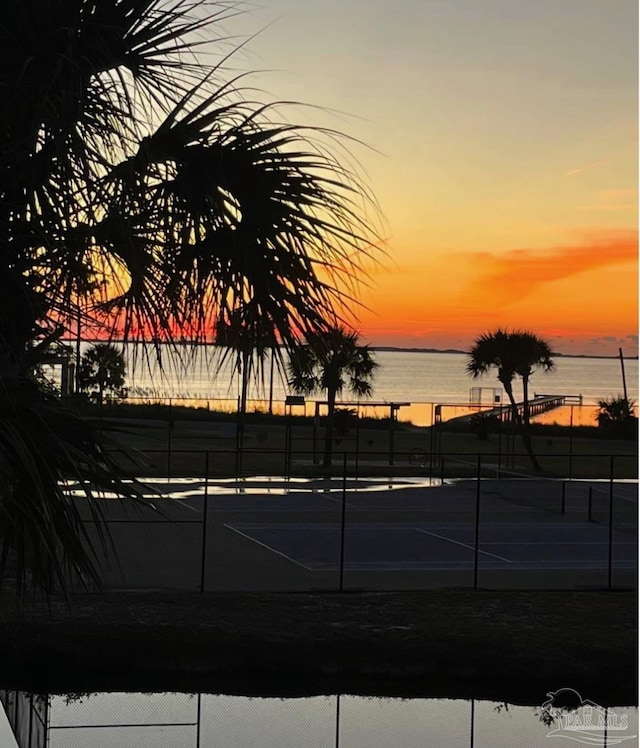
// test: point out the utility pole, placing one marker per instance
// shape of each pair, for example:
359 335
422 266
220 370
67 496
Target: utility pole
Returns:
624 379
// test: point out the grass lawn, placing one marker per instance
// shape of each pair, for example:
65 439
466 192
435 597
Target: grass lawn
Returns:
277 445
510 646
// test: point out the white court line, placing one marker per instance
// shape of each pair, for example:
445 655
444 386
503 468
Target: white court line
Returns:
268 547
464 545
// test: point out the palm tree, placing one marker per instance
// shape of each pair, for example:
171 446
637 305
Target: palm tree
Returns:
248 342
331 362
511 354
102 368
531 353
617 416
492 350
138 185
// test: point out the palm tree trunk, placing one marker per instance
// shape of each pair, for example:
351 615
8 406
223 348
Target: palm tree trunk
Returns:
271 382
76 384
245 382
508 388
526 413
524 427
328 438
242 410
522 424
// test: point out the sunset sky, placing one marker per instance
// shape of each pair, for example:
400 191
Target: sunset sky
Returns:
504 156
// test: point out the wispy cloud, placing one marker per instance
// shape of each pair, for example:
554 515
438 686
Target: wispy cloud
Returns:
609 196
507 277
580 169
612 200
612 342
608 208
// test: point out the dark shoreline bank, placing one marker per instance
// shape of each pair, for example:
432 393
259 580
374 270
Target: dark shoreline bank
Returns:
494 645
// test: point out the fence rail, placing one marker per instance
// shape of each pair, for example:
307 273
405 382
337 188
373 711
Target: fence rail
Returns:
565 408
293 460
295 445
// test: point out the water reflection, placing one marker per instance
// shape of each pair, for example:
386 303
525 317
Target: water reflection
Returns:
275 485
177 720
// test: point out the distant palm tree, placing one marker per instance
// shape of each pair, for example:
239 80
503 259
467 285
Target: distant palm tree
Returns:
144 193
511 354
617 416
248 342
102 369
331 362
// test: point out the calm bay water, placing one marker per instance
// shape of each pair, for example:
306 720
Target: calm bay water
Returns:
174 720
420 378
401 377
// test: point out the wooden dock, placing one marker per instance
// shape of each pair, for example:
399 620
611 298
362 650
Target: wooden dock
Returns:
538 405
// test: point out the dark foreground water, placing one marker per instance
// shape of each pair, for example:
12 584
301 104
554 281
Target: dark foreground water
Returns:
177 720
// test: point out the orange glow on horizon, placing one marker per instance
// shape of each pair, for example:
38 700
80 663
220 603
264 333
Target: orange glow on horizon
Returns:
582 294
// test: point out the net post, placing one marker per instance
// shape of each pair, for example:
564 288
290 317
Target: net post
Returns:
343 515
169 440
204 522
476 553
610 558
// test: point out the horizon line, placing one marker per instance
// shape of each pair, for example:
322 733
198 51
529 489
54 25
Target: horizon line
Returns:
406 349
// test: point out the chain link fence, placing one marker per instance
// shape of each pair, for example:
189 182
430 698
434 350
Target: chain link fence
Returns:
457 521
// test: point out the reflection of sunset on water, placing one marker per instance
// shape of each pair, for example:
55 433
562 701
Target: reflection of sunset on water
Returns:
566 415
422 414
418 414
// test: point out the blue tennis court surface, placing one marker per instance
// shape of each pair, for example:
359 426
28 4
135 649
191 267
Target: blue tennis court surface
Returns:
442 546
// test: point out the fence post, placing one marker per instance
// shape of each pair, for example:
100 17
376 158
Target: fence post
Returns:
571 445
239 438
499 442
610 574
432 442
205 513
476 552
357 441
343 519
590 504
287 442
169 433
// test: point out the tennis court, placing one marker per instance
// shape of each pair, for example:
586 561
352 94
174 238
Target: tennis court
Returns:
376 534
446 546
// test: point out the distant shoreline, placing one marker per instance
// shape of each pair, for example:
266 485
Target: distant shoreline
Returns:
377 348
464 353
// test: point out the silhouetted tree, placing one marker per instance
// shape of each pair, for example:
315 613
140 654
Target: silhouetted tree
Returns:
331 362
511 354
616 416
248 342
138 186
102 370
